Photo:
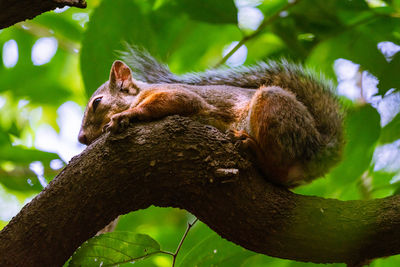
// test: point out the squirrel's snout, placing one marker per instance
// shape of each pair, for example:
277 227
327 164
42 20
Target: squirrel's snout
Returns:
82 138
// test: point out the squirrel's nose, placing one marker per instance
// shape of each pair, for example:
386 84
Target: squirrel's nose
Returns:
82 138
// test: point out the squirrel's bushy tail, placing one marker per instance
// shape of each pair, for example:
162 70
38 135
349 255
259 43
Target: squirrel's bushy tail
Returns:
313 90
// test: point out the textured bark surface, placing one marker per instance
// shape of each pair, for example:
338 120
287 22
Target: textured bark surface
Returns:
179 163
16 11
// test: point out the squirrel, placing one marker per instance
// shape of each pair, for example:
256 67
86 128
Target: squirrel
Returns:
287 115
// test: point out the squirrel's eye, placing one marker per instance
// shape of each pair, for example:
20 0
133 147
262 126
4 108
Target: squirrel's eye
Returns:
96 103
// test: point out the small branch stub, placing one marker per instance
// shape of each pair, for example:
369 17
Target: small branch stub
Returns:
227 172
226 175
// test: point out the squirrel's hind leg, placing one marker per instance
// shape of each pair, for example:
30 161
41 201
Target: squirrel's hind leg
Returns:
286 134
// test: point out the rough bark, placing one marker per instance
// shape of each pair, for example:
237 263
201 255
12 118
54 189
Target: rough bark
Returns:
16 11
179 163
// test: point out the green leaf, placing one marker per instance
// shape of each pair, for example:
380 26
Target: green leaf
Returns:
391 132
389 77
381 184
386 261
19 154
271 7
61 25
215 251
362 129
4 137
153 221
352 45
260 260
114 248
17 182
221 11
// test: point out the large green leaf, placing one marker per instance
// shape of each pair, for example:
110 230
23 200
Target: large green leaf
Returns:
362 129
114 248
215 251
19 154
27 182
390 77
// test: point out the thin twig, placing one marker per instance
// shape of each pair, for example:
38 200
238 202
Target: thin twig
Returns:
260 28
166 252
190 225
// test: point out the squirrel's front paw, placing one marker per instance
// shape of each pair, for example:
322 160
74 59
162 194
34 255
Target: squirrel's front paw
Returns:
117 123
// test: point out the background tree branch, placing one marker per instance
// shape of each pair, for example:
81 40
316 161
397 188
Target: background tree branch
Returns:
180 163
16 11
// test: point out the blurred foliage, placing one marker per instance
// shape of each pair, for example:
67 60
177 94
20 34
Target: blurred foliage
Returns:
192 36
114 249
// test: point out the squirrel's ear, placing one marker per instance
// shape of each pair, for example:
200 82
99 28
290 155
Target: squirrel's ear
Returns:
120 72
121 79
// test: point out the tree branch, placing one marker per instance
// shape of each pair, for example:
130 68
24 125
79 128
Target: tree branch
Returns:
16 11
179 163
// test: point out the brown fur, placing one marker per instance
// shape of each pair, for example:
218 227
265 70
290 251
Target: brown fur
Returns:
284 130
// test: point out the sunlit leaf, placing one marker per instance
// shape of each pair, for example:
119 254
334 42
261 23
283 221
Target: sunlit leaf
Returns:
271 7
381 184
215 251
386 261
114 248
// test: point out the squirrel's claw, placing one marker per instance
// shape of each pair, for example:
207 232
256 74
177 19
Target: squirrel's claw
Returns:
117 123
243 140
108 127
